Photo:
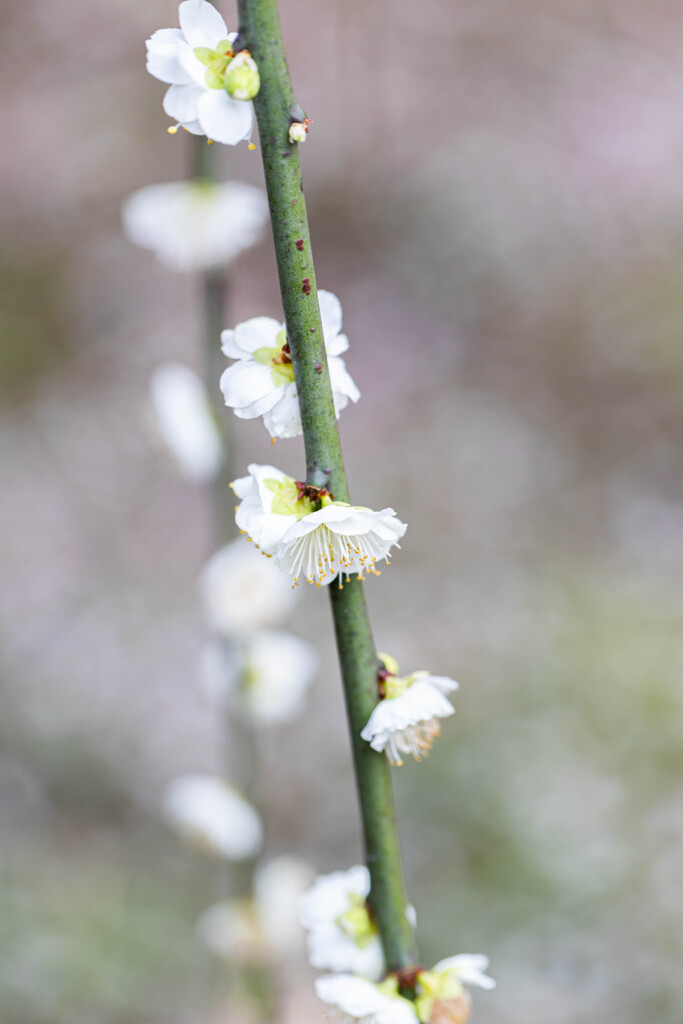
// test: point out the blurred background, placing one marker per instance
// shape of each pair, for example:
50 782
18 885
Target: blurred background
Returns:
496 196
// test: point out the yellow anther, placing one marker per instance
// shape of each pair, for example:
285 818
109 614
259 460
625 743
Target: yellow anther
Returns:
252 145
209 142
173 129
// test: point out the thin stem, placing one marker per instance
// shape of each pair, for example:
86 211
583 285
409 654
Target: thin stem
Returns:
275 109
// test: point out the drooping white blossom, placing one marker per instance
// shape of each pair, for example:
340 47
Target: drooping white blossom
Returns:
196 225
212 816
184 421
439 994
266 677
252 930
317 544
342 934
261 381
242 592
338 540
406 720
358 1001
194 60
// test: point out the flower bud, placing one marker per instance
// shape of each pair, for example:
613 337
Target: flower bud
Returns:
242 79
297 132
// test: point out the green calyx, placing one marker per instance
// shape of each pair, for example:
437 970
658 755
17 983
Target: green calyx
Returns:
287 501
356 922
279 361
396 686
431 987
216 63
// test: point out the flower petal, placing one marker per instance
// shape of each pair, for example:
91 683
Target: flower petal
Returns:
469 968
259 332
181 102
284 419
224 119
248 388
342 383
201 23
330 314
163 58
335 346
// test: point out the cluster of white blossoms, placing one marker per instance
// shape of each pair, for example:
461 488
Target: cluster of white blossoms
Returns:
342 937
311 536
210 86
250 667
406 720
416 996
261 381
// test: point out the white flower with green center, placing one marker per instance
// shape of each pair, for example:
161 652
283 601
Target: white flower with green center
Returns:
261 382
270 503
266 677
342 934
195 61
196 225
212 816
357 1001
242 592
317 544
185 421
406 720
439 994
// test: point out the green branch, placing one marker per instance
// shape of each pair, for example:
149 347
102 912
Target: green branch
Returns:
275 110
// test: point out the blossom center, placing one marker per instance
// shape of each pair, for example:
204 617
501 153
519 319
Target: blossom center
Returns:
288 499
356 922
216 63
279 359
440 998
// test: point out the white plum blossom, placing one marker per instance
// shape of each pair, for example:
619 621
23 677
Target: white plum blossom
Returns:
185 422
439 994
269 503
261 381
196 225
242 592
265 677
251 930
342 934
194 60
212 816
406 720
317 544
358 1001
338 540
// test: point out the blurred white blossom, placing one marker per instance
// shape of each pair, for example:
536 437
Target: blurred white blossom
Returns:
261 382
196 225
212 816
440 996
242 592
342 934
194 60
267 926
266 677
406 720
185 422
